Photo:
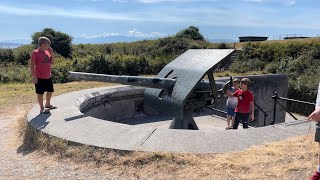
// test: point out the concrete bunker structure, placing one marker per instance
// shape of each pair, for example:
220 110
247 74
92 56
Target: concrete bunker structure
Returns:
252 38
115 117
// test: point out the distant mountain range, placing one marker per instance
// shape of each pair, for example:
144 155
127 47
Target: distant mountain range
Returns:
97 40
10 45
14 43
108 39
17 41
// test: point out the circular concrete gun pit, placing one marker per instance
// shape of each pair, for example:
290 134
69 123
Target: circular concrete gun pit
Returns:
125 106
116 118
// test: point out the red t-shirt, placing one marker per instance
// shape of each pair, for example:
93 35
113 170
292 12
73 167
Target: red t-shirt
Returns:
244 99
42 61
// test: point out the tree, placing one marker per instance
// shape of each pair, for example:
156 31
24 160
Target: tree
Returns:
60 42
190 33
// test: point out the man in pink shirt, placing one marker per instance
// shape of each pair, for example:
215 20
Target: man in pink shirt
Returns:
41 61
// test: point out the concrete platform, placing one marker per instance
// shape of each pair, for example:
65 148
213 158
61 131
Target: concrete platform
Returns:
69 123
204 122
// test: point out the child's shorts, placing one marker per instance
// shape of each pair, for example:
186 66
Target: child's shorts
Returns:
44 85
230 111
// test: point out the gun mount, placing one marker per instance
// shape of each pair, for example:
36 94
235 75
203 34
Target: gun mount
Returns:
179 88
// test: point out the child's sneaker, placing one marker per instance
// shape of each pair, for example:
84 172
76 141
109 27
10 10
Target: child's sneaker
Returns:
315 176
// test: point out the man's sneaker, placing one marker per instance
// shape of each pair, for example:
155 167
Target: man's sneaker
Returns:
315 176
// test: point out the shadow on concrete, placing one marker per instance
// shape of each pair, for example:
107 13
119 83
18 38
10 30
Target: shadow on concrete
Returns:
75 117
145 120
40 121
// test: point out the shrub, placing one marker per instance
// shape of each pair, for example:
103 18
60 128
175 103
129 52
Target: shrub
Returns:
223 46
12 72
60 75
247 65
23 58
6 56
272 67
190 33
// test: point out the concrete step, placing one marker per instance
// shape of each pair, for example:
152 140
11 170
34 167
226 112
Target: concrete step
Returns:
231 60
228 62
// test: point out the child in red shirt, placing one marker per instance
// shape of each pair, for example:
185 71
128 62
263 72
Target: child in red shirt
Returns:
41 61
245 102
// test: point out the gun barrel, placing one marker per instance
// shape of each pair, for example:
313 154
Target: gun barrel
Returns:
150 82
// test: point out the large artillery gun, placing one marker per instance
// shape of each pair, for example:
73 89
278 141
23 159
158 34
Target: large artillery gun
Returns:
180 88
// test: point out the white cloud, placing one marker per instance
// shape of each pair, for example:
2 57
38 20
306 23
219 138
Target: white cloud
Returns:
131 33
204 16
142 16
283 2
98 35
53 11
136 33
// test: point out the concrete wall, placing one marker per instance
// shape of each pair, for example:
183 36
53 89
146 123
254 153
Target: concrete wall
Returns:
263 88
113 104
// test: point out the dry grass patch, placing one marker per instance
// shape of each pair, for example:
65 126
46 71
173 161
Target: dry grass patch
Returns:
294 158
239 45
117 162
23 94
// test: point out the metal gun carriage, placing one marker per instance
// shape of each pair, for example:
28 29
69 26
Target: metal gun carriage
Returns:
180 88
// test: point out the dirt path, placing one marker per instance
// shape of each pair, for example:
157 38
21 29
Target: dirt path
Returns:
16 163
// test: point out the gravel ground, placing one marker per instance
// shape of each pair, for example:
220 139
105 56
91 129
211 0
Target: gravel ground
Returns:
16 163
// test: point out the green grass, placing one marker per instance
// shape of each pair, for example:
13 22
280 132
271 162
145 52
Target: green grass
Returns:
229 73
15 94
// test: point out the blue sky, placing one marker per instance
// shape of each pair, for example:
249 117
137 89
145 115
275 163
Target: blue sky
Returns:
217 19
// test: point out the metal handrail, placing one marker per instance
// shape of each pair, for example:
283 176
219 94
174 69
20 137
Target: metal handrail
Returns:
218 110
298 101
276 97
259 107
264 112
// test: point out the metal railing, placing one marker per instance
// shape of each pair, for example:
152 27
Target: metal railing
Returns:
264 113
259 107
276 102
